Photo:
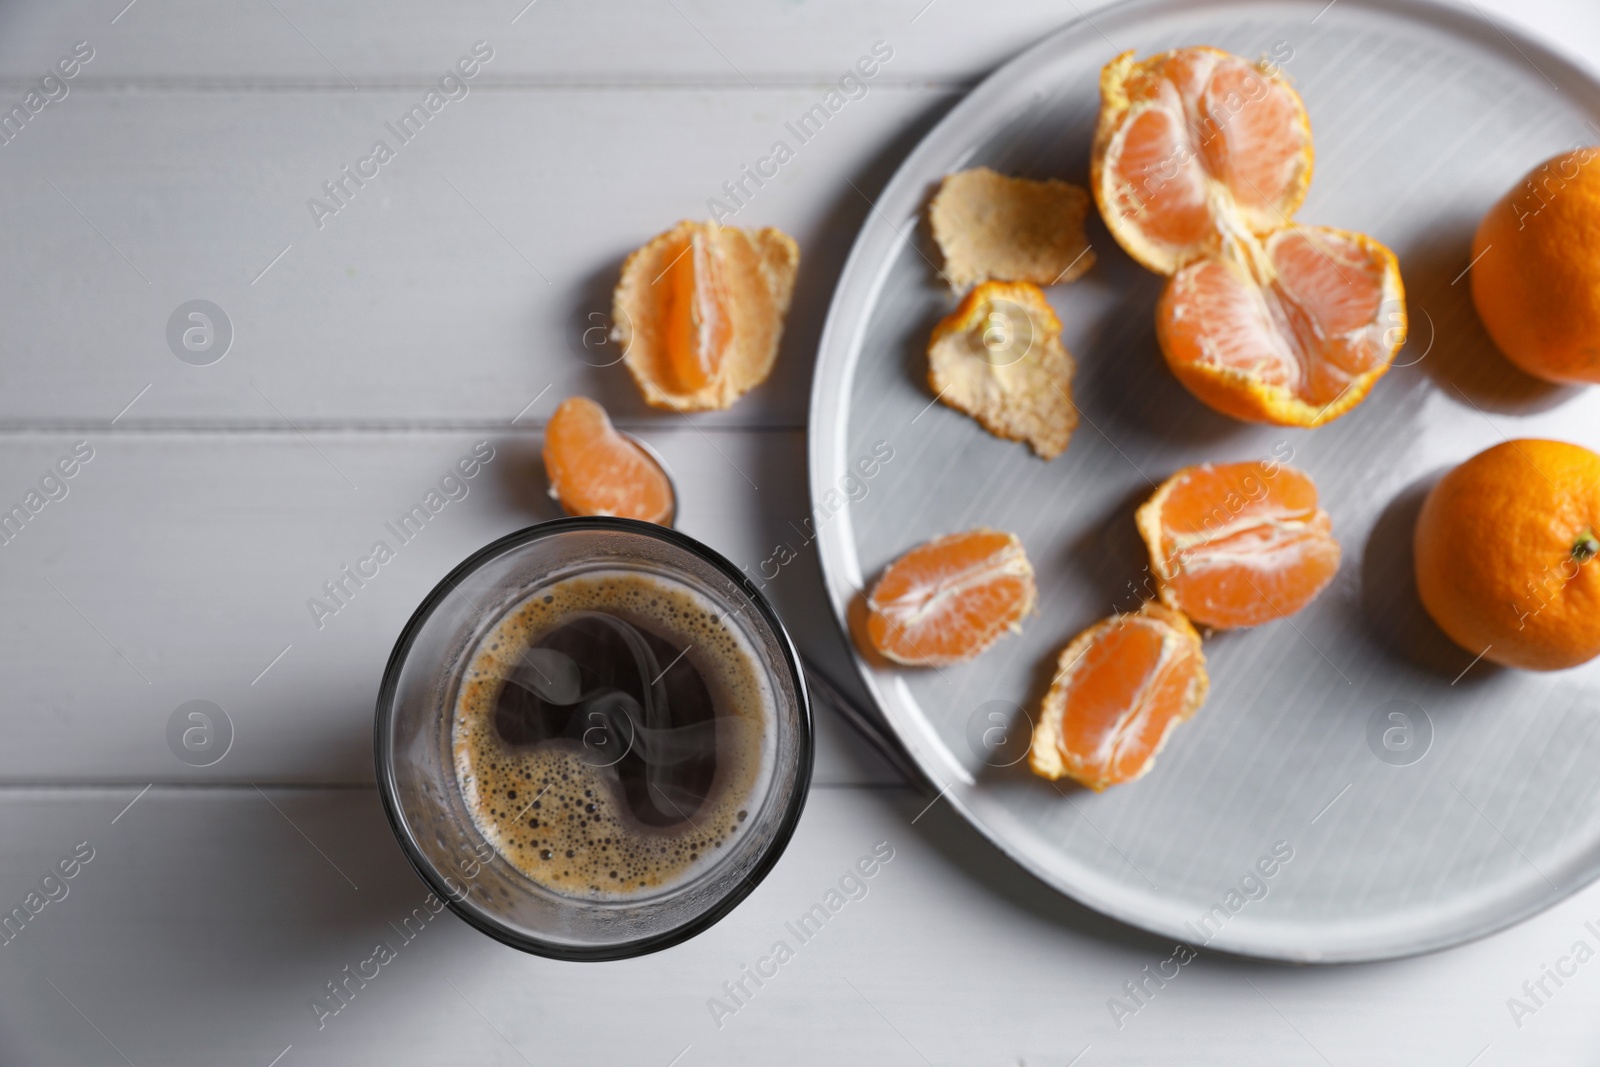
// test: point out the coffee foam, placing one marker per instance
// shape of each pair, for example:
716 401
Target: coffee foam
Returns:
556 816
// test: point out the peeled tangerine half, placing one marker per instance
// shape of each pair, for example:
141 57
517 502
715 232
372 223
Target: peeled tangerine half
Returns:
1200 160
1121 687
1294 333
951 598
1238 544
594 470
699 312
998 357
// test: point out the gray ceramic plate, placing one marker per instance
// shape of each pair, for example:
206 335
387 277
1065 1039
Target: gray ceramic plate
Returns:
1423 800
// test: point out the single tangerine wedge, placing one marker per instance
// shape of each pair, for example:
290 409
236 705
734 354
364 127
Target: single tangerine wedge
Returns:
949 599
1120 688
594 470
699 312
1199 162
1238 544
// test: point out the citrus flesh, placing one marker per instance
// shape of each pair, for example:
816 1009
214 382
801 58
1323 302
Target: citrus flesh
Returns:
1194 146
697 328
1238 544
1294 331
699 312
949 599
594 470
1199 162
1121 687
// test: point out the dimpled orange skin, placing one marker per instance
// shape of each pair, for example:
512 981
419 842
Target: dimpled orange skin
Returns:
1505 554
1535 273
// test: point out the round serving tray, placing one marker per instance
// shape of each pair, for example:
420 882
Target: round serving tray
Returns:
1402 797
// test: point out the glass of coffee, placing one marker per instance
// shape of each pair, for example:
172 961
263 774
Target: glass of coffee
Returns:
593 738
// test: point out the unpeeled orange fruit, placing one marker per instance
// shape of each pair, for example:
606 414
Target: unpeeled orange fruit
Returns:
1120 688
951 598
699 312
594 470
1199 162
1505 554
1238 544
1535 275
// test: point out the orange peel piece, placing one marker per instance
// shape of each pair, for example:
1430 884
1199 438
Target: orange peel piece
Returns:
699 312
998 357
991 227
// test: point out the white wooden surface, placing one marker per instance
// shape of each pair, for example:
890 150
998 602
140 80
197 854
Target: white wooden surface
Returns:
446 305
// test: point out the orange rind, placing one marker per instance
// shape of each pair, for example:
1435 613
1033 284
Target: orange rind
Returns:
699 312
998 357
991 227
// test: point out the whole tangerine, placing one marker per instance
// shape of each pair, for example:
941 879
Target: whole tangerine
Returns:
1506 550
1535 277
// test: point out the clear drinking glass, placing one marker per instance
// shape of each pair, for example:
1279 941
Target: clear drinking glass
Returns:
416 771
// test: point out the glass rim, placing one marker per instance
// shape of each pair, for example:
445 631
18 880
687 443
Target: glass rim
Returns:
436 880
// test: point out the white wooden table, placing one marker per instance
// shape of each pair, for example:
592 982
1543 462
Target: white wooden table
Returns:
446 302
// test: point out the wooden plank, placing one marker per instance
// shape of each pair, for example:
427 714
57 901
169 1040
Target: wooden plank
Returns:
703 41
207 921
471 274
180 567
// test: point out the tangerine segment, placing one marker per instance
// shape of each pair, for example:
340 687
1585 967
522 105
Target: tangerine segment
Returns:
1121 687
990 226
951 598
594 470
699 312
998 357
1294 331
1194 147
1238 544
698 328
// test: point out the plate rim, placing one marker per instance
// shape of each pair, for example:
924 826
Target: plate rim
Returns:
838 354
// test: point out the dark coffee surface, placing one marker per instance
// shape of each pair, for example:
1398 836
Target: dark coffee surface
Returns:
633 700
611 733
